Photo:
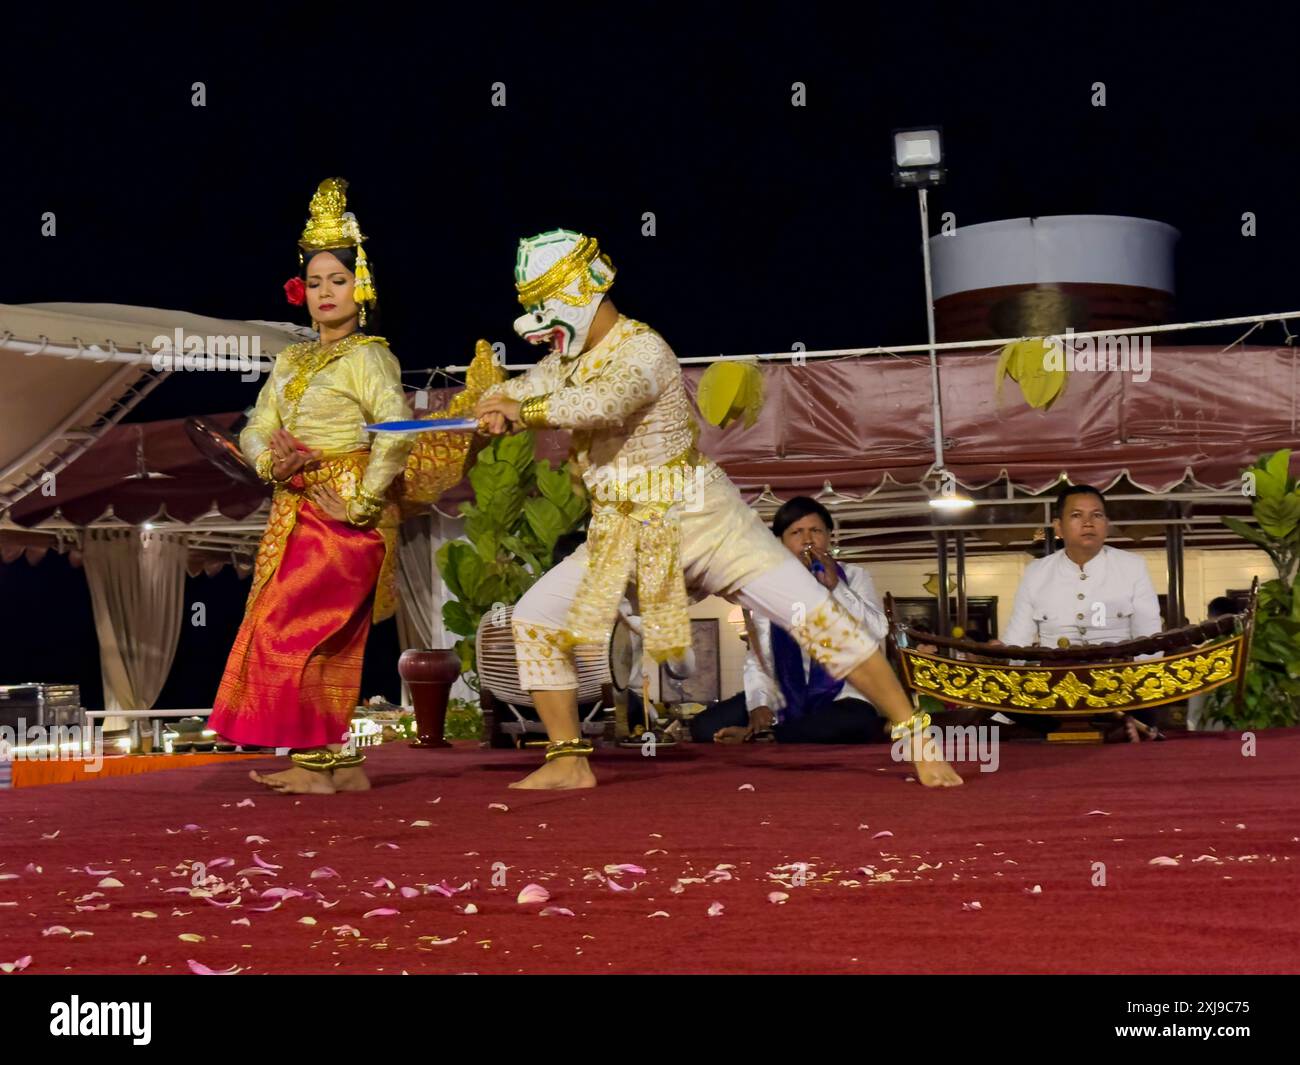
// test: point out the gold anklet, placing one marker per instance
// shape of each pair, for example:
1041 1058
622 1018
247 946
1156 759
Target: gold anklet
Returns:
326 760
568 749
918 721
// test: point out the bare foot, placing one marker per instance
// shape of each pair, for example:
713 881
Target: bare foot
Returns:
295 781
559 774
351 779
731 734
935 774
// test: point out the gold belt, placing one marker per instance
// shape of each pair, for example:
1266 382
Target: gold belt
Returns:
635 540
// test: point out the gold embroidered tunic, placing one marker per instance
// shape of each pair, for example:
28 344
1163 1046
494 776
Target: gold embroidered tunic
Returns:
325 396
632 424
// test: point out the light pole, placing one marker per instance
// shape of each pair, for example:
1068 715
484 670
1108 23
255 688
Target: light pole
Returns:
918 164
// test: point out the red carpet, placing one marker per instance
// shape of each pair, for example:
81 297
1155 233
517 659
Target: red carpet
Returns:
681 814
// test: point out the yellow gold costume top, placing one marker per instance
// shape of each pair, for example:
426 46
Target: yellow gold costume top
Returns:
326 395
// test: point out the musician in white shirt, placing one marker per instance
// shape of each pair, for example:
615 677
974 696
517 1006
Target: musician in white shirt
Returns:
1087 593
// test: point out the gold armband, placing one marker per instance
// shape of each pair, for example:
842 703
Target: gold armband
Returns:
533 412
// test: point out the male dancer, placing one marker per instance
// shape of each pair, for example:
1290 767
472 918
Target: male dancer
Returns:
616 385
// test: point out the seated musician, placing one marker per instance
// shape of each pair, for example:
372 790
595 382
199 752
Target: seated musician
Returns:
786 698
1087 594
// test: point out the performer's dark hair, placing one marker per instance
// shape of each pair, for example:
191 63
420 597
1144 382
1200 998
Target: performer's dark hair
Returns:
566 544
1221 605
797 509
1074 490
347 256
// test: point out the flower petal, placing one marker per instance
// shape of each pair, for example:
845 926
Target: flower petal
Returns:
202 970
532 893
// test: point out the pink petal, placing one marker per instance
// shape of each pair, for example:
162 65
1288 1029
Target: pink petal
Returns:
659 913
532 893
556 911
219 863
498 806
385 912
390 846
266 909
283 893
777 896
190 828
98 872
256 839
223 905
611 869
1163 860
16 966
323 873
746 787
1037 889
202 970
257 860
614 885
384 882
254 871
32 867
971 906
410 893
1097 813
246 802
715 910
882 835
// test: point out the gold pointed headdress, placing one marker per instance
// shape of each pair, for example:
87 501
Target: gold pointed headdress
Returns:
332 226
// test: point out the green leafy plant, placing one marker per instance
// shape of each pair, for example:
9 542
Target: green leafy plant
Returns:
464 721
1272 689
521 506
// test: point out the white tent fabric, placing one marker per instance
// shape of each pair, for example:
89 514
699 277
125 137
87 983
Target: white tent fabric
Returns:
422 589
137 591
72 370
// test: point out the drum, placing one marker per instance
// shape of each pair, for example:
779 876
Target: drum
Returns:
498 669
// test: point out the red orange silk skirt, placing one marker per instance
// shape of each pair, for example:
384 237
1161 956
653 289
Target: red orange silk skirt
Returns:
294 673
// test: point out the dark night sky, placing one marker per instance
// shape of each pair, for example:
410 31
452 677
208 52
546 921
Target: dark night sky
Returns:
775 224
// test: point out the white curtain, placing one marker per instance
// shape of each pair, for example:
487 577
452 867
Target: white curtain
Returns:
137 590
422 591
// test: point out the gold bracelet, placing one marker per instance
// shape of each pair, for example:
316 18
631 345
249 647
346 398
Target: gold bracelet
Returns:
369 508
265 466
533 412
919 721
